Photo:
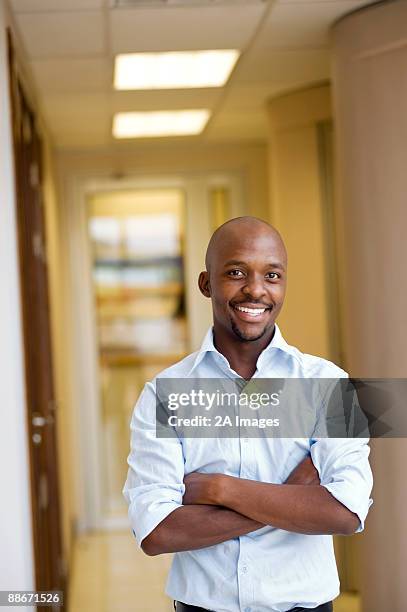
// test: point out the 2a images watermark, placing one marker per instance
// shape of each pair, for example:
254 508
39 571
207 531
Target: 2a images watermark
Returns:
281 407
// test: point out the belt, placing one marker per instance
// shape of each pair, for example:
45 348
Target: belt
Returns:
326 607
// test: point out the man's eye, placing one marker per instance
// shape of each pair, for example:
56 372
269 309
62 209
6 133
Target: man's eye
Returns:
235 272
273 275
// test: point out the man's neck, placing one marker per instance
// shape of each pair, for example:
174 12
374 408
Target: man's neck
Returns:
241 355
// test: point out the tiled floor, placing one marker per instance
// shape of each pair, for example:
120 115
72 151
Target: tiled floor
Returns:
110 574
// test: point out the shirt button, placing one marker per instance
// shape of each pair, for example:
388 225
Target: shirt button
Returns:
244 569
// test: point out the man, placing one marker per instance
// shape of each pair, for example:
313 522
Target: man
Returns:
250 520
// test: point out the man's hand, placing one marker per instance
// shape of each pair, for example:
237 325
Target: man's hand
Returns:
303 506
202 488
207 488
202 522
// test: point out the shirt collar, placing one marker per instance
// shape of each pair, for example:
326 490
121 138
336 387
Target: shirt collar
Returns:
208 346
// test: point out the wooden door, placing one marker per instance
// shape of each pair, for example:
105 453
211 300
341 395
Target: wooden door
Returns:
40 398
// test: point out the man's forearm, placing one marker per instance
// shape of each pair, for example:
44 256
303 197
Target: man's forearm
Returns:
197 526
295 507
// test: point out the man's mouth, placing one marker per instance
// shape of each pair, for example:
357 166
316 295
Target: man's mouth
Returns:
250 312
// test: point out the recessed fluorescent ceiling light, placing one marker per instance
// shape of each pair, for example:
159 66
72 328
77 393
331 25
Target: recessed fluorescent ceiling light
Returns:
159 123
181 69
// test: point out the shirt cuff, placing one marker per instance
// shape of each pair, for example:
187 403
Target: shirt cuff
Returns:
150 505
341 492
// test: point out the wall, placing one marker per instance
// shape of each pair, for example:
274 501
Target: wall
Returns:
297 210
303 209
136 160
16 555
56 258
370 95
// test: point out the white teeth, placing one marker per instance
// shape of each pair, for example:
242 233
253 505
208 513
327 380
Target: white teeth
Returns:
255 312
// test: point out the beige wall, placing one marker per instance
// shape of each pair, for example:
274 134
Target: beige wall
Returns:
56 259
297 211
370 96
249 161
302 208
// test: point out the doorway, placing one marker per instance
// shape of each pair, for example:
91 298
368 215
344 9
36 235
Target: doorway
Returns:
204 200
42 414
137 240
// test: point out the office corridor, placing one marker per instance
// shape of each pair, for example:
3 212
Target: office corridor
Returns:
111 573
103 232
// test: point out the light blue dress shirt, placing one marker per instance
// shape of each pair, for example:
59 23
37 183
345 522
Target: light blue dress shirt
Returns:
269 569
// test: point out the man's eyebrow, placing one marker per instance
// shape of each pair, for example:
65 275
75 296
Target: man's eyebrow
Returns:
271 264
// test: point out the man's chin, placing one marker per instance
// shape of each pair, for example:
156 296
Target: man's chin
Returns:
248 335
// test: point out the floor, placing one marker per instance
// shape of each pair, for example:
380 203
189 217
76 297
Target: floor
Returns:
110 574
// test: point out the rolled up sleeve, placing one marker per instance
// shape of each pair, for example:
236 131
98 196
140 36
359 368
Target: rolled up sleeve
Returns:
154 486
344 470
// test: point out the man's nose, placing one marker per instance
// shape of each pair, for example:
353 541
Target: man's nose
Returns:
254 287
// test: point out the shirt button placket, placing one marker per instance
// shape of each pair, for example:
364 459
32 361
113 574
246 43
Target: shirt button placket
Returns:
245 583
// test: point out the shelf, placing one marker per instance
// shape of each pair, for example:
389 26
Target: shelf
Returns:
129 262
124 294
123 358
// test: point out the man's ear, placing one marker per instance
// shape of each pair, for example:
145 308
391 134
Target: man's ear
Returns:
204 284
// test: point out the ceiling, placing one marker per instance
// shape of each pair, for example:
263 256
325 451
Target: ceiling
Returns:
71 44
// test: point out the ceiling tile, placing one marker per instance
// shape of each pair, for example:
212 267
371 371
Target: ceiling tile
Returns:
80 139
76 120
303 24
185 28
33 6
62 34
68 52
164 100
73 75
275 67
68 110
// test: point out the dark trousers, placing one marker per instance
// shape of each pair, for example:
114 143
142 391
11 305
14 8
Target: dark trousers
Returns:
326 607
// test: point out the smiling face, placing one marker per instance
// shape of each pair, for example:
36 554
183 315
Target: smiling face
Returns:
245 279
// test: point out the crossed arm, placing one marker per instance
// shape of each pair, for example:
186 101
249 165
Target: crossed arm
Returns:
217 507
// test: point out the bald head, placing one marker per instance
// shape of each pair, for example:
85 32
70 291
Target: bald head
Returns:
245 278
239 231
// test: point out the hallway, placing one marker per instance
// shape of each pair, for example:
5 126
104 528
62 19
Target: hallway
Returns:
111 574
106 211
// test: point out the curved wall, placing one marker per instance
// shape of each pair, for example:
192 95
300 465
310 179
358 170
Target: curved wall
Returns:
370 102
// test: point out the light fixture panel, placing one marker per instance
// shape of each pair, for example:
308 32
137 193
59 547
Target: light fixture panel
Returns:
174 70
154 124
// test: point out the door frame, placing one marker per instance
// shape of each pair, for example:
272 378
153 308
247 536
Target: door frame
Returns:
84 345
40 394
